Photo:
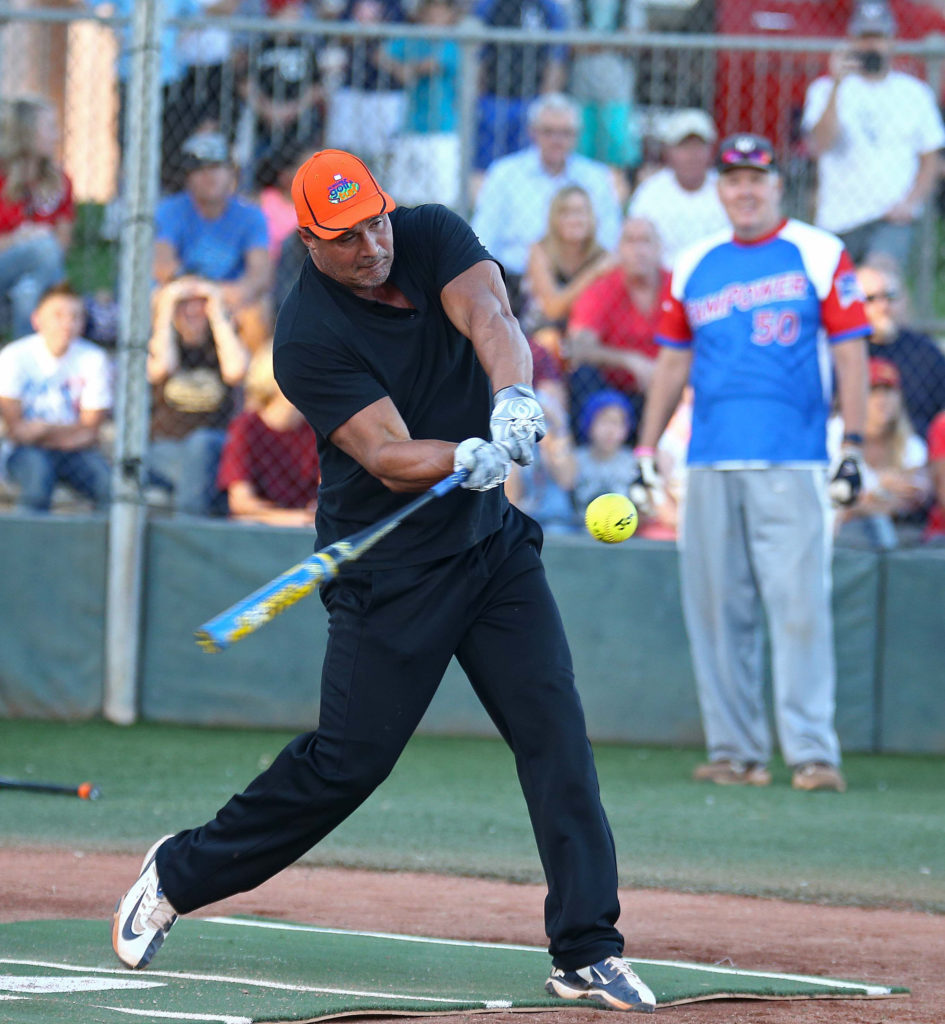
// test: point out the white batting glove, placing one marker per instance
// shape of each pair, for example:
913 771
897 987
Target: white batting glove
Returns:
488 464
517 422
646 487
845 476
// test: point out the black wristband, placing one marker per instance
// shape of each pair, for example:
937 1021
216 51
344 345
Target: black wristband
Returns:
853 438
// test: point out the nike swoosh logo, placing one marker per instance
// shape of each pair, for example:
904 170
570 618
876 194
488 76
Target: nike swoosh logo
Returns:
127 932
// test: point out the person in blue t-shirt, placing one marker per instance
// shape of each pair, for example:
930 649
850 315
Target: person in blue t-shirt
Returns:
209 231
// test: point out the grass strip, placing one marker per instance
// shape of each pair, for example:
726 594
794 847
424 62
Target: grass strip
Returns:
453 805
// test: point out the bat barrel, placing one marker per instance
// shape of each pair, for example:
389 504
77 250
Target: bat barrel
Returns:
248 615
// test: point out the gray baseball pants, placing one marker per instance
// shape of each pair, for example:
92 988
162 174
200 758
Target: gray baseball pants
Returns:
756 543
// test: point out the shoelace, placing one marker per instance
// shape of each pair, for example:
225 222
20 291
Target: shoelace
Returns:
622 967
155 911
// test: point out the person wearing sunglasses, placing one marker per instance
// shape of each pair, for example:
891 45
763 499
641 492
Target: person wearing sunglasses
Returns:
753 317
876 133
917 357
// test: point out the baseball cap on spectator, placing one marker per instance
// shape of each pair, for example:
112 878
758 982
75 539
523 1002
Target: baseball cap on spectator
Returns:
205 149
682 123
884 374
746 150
333 190
872 18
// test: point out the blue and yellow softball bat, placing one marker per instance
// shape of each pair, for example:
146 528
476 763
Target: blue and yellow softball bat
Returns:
248 615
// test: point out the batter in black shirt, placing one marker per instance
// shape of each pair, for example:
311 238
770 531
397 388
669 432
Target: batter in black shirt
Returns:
399 346
337 352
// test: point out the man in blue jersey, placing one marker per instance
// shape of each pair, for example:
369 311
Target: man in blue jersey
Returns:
757 319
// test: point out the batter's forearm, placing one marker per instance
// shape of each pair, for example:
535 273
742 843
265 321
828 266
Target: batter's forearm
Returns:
412 465
503 351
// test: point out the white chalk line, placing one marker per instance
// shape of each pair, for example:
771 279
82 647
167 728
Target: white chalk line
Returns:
216 1018
257 983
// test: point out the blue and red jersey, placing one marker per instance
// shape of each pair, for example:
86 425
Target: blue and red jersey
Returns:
760 318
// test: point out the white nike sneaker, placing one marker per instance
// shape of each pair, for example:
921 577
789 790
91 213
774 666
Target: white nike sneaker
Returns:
611 983
143 916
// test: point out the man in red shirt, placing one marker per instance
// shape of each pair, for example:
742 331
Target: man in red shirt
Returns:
610 332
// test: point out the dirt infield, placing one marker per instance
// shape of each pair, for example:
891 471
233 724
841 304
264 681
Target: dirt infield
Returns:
883 946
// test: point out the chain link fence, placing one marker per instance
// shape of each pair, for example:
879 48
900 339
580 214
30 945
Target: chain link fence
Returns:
122 122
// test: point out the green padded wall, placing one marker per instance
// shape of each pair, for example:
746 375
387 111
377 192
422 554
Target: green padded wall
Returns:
195 569
620 605
52 616
912 714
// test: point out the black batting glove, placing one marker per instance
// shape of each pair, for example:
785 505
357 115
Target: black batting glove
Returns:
645 486
845 477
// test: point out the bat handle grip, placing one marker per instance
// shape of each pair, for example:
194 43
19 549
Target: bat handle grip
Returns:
449 482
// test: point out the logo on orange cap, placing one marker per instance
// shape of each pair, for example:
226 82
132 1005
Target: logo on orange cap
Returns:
342 190
333 190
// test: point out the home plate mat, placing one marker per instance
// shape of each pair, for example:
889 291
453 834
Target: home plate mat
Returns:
242 970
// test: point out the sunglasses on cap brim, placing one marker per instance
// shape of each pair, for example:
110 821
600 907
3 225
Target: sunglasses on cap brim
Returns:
759 158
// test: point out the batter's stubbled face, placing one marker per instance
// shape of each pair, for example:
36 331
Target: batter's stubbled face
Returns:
359 259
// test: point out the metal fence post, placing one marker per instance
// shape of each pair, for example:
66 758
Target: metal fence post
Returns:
127 517
927 248
468 87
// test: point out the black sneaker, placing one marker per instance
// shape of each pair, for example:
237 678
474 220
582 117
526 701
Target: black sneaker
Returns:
610 982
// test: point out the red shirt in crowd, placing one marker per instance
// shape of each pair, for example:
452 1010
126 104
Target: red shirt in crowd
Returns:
36 208
605 307
936 441
280 465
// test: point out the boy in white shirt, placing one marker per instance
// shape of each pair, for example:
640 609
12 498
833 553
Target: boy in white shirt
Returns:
55 393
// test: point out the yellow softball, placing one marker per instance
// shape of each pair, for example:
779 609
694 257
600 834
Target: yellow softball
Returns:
611 518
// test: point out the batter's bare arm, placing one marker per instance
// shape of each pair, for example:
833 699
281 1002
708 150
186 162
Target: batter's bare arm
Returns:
378 439
666 387
478 306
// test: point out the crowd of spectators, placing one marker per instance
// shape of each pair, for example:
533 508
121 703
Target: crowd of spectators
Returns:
587 234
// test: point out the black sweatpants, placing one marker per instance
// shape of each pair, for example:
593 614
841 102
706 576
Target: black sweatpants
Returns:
391 636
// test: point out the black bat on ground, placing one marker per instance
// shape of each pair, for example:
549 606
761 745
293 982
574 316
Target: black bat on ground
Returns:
84 790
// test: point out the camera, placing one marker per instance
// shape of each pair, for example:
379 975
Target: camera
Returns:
870 61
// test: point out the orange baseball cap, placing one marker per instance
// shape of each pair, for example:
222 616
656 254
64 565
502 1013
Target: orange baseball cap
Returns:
333 190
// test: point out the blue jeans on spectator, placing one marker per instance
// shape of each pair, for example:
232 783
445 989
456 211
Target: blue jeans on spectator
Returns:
188 466
27 269
36 471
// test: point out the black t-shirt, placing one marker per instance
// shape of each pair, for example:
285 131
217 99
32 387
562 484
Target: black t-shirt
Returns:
335 354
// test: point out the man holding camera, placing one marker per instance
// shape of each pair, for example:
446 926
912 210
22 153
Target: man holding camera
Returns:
876 133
